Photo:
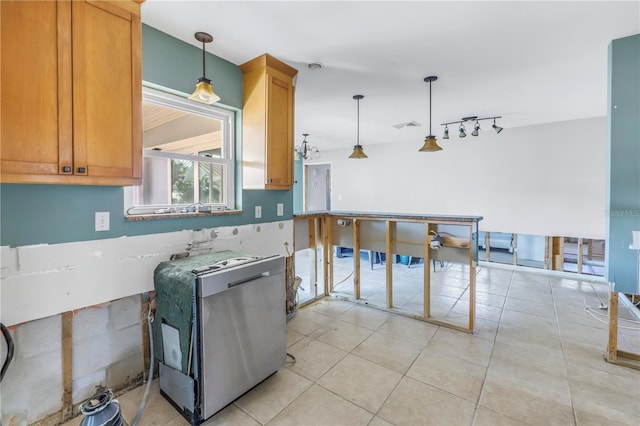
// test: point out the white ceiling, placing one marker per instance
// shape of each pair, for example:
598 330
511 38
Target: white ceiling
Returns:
530 62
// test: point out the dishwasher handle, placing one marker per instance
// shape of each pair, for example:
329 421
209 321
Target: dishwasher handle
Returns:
249 279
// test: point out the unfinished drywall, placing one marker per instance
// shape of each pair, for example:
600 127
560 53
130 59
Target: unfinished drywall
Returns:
541 180
47 279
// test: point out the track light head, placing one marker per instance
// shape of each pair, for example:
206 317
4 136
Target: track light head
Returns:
446 133
476 129
498 129
462 133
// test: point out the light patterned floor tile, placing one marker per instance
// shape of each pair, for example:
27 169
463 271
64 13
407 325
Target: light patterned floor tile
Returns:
389 351
360 381
274 394
318 406
314 358
415 403
341 334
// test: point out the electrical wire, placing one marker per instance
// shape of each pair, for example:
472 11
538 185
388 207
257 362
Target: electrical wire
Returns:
145 397
591 311
293 359
10 348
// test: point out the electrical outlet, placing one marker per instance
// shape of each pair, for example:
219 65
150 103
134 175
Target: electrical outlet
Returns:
102 221
280 209
258 212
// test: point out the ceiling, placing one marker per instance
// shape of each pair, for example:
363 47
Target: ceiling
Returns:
530 62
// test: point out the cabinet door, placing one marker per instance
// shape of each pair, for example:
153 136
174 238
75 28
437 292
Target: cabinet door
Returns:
107 89
279 161
35 89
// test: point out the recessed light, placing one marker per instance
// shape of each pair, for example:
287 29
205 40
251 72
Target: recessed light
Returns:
314 66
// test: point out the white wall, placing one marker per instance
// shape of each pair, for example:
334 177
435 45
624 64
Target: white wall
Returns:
542 180
47 279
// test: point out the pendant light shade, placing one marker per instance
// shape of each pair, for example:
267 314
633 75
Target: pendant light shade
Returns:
358 151
204 89
430 143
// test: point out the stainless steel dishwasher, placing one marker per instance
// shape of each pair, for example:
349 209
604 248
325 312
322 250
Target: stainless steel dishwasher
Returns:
238 335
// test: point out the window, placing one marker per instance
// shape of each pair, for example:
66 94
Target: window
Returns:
188 158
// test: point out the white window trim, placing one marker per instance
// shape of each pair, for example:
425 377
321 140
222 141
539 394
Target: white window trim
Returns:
228 146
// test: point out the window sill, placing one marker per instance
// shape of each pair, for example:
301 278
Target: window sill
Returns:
155 216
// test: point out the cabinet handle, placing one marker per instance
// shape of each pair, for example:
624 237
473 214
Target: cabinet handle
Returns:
82 170
66 169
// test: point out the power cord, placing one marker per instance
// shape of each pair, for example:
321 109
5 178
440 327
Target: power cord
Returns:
293 359
591 311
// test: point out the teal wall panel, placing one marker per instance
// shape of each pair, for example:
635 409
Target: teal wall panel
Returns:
623 163
171 63
36 214
298 186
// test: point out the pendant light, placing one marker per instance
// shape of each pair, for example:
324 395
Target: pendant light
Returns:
430 144
357 148
305 151
204 89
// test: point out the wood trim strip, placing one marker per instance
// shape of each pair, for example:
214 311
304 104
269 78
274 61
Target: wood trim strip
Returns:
612 345
389 237
356 258
67 365
65 89
472 285
427 273
146 348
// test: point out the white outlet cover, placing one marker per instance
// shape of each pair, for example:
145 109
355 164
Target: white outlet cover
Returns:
258 212
280 209
102 221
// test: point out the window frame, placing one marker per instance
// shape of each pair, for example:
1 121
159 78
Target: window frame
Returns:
227 159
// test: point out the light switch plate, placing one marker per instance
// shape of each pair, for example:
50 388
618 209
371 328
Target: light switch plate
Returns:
258 212
280 209
102 221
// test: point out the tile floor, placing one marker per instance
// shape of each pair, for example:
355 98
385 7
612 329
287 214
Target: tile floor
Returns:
536 359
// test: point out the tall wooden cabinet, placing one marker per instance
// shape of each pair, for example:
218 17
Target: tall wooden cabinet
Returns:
71 92
267 123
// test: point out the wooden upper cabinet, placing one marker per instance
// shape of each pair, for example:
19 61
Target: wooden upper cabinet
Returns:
267 123
71 92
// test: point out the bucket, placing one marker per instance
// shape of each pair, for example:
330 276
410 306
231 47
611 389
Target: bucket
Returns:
101 410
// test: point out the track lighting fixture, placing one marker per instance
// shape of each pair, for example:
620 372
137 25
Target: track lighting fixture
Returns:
358 152
305 151
476 127
204 89
462 133
498 129
430 143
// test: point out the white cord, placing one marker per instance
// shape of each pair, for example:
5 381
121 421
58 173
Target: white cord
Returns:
588 309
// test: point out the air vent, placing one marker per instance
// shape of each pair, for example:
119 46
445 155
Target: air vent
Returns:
409 124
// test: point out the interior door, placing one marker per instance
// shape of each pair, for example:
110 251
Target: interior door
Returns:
318 187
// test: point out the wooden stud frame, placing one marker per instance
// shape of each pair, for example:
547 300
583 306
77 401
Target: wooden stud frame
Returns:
326 228
613 354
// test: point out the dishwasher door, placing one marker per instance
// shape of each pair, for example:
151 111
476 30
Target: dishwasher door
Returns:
242 329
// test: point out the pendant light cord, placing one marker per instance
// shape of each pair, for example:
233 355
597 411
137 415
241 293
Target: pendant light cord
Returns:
358 126
203 70
430 109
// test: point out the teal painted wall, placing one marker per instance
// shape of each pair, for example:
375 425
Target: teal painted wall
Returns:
174 64
35 214
623 162
298 179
